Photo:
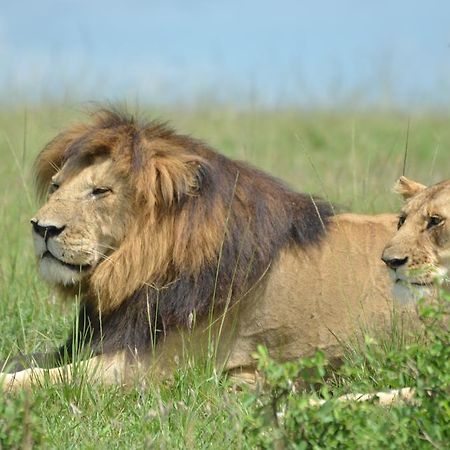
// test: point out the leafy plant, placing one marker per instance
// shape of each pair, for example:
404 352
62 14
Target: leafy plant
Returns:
20 427
282 416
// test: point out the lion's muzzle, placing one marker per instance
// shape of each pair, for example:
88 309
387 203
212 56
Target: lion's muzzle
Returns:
394 262
61 261
46 231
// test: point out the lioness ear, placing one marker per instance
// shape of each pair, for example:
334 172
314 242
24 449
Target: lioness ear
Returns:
407 188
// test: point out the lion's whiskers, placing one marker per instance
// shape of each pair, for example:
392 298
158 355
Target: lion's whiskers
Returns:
96 253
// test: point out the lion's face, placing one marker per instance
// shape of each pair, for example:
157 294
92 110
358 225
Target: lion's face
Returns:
82 222
419 253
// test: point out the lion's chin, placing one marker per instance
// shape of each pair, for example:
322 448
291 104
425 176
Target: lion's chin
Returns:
405 293
56 272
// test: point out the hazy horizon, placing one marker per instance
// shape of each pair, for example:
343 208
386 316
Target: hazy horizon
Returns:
280 53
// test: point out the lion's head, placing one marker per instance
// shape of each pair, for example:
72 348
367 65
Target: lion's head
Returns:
419 253
82 222
104 196
136 213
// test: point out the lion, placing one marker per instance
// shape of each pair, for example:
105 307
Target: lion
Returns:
419 252
176 252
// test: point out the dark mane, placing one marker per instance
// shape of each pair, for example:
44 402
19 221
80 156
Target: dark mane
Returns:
208 227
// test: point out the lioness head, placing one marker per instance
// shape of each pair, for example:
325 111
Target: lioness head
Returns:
419 253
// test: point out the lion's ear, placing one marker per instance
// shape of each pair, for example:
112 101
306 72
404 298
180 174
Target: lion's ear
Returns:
407 188
171 178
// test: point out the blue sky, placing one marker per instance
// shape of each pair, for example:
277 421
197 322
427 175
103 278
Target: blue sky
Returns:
280 52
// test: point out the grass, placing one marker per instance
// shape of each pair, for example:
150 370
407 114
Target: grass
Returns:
350 159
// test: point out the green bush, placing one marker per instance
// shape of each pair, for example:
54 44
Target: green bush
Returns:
20 426
281 415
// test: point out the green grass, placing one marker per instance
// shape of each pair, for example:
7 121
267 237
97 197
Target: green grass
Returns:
352 159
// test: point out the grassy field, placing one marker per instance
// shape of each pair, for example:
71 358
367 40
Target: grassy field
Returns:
351 159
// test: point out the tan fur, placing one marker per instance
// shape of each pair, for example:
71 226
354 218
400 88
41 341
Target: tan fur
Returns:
319 298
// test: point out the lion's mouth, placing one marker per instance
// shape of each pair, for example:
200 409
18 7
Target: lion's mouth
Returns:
413 283
75 267
417 283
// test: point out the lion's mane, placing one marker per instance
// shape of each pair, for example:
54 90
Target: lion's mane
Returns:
205 228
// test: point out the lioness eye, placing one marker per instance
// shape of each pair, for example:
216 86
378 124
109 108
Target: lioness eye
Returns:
100 190
401 221
53 187
434 221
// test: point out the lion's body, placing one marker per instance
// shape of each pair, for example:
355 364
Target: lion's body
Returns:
159 236
315 298
321 297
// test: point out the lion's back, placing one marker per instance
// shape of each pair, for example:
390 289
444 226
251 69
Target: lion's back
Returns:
322 296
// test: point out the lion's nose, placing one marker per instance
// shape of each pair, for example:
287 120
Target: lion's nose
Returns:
46 231
394 263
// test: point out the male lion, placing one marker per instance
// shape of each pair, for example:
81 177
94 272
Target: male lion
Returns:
175 250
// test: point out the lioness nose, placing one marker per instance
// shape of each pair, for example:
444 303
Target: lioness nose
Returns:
46 231
394 263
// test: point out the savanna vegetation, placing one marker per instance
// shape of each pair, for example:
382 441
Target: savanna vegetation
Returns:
351 159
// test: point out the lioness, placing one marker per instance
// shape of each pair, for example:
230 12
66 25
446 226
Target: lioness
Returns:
419 252
176 252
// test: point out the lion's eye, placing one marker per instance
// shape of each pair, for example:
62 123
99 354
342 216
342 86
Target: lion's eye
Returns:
53 187
101 191
401 221
434 221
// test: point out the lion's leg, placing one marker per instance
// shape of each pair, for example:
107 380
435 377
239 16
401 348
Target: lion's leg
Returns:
392 397
22 361
246 377
107 369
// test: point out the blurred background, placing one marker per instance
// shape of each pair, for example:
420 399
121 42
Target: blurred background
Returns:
277 53
326 95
